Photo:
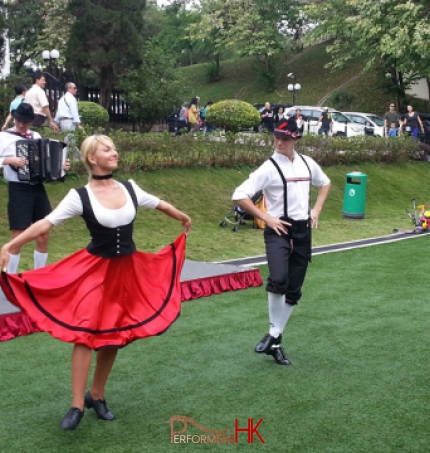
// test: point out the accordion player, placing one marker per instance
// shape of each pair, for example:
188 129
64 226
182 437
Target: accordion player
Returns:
44 160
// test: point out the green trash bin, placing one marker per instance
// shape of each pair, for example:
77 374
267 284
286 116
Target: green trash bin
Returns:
354 200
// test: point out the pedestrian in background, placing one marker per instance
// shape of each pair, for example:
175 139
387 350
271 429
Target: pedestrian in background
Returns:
391 117
279 115
412 123
268 117
20 90
37 98
193 115
67 116
393 131
68 119
326 122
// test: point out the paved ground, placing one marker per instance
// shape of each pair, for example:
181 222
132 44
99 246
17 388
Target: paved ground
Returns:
192 270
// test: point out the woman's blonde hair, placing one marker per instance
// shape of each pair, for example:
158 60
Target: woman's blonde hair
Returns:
89 147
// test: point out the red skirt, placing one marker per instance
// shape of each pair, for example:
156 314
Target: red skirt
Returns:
99 302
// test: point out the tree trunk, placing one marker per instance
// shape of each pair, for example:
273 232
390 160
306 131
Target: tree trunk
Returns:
106 86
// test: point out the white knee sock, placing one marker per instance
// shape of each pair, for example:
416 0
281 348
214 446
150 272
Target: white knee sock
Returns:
12 267
279 313
40 259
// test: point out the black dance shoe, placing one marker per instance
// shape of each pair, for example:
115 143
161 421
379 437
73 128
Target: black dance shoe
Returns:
278 354
72 419
266 343
99 407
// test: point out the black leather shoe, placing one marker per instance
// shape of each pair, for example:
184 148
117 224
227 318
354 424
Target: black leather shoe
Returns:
266 343
278 354
99 407
72 419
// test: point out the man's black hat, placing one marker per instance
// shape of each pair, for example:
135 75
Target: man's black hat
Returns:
24 112
287 129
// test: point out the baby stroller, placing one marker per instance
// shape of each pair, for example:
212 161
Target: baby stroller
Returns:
237 215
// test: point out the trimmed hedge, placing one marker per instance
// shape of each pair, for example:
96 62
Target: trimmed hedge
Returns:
233 115
92 114
146 152
143 152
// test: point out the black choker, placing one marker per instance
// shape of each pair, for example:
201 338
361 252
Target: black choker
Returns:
101 177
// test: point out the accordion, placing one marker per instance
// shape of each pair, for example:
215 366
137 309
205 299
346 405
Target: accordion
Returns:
44 160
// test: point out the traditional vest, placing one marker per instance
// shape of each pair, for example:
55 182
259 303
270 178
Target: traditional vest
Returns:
108 242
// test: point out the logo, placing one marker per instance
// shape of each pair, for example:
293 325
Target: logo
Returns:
213 436
351 192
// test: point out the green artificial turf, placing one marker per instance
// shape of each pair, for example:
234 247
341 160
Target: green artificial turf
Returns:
358 342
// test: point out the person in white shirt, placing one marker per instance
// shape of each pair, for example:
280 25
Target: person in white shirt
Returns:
286 180
67 115
27 202
37 98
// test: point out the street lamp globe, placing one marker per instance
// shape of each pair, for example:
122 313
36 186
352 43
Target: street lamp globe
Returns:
290 87
50 54
297 87
54 54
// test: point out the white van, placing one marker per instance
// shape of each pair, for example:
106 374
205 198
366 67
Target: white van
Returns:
342 126
374 124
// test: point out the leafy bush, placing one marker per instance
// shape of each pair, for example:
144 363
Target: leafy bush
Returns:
233 115
93 114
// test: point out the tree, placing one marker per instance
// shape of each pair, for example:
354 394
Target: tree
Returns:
393 34
106 38
33 26
153 87
173 36
3 30
251 27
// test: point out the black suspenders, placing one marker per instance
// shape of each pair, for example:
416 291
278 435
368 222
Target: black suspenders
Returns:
284 182
309 226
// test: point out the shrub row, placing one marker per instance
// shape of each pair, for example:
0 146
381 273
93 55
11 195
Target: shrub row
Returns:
154 151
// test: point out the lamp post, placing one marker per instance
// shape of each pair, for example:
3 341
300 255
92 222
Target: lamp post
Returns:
293 87
50 57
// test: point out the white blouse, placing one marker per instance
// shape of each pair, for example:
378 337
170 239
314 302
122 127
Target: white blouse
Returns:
71 206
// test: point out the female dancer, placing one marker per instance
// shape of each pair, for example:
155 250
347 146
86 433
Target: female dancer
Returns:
107 295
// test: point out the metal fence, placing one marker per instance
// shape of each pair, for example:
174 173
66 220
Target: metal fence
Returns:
118 109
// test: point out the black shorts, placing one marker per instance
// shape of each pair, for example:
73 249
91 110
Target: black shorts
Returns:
288 256
27 204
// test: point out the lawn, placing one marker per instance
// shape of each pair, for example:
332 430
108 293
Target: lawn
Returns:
358 383
205 194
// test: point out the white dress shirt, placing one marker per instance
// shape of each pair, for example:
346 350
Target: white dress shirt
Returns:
68 109
296 173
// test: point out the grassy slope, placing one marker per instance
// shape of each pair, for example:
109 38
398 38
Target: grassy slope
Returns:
316 81
205 195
